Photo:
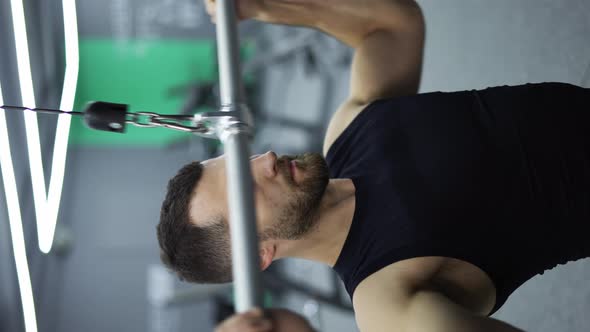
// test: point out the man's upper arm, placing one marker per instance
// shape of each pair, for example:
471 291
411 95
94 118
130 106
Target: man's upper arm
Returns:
386 64
421 310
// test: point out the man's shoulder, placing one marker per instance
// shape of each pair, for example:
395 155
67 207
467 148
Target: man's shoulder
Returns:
400 278
350 110
340 120
382 299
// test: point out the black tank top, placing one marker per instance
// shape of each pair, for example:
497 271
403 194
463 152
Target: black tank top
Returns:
499 178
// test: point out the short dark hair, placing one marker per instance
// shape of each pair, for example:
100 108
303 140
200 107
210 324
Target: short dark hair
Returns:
196 253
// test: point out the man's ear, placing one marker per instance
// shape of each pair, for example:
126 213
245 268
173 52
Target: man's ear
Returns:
267 254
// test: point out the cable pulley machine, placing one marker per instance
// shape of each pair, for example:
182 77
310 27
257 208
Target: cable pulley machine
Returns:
233 125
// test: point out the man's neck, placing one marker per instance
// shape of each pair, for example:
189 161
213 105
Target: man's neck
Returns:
325 240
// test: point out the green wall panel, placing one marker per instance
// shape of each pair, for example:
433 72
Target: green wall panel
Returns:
139 73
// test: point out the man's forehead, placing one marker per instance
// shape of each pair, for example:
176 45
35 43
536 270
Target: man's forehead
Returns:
207 193
212 161
202 211
210 176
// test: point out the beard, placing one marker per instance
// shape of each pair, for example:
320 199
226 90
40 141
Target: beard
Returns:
300 214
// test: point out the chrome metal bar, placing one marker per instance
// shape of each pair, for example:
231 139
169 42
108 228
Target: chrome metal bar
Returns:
235 135
228 54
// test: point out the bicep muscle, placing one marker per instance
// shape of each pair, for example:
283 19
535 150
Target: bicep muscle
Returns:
423 311
387 64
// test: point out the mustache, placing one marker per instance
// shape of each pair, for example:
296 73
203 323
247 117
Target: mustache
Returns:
302 159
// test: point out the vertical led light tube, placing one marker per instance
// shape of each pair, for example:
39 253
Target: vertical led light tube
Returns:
28 99
16 226
62 133
46 203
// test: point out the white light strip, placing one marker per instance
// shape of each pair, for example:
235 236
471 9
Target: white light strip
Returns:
47 203
62 133
28 98
16 226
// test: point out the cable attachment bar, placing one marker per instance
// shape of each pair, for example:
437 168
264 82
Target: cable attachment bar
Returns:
114 117
38 110
231 119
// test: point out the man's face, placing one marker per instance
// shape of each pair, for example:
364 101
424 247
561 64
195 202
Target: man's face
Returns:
287 195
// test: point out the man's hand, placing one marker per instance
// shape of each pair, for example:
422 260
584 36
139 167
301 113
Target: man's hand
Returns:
276 320
250 321
292 12
246 9
350 21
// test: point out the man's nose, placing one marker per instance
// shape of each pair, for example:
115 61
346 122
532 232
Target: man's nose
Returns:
264 163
